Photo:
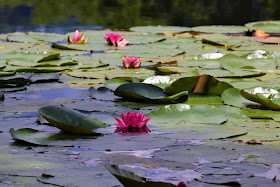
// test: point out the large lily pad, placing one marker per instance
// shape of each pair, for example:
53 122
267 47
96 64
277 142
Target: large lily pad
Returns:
182 112
142 92
203 84
70 121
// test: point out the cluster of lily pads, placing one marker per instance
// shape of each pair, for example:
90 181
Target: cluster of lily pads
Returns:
211 82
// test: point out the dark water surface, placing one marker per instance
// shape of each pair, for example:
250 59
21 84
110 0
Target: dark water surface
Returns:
62 16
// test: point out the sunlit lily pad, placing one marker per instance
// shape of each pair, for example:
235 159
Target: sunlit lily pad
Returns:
70 121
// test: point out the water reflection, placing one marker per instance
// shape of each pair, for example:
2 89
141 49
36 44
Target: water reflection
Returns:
64 16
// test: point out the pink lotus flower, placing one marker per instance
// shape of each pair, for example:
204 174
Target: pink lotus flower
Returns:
77 38
115 39
131 62
132 120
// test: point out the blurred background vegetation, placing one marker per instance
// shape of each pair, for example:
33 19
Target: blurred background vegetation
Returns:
60 15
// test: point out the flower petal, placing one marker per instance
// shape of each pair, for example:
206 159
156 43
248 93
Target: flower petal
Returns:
76 37
120 123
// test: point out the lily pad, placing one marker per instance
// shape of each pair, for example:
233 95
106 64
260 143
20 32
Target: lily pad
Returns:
70 121
220 29
128 178
35 37
266 26
201 114
204 84
142 92
233 97
160 29
265 97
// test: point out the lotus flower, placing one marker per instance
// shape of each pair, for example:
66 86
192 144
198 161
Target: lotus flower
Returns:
133 121
115 39
260 33
77 38
131 62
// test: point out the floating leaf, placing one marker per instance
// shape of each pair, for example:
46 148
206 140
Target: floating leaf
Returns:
128 178
266 26
205 84
70 121
220 29
35 37
160 29
233 97
148 93
263 96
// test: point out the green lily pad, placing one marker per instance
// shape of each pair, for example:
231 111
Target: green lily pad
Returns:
70 121
266 26
223 40
128 178
234 73
201 114
158 49
160 29
205 84
148 93
27 135
267 97
35 37
231 61
233 97
220 29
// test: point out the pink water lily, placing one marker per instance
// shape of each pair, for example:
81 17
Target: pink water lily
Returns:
77 38
132 120
131 62
115 39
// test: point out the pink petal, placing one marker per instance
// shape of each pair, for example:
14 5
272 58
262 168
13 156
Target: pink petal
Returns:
137 63
123 43
76 36
147 120
120 123
125 119
125 62
142 117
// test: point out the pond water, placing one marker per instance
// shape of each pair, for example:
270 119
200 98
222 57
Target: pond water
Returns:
66 16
